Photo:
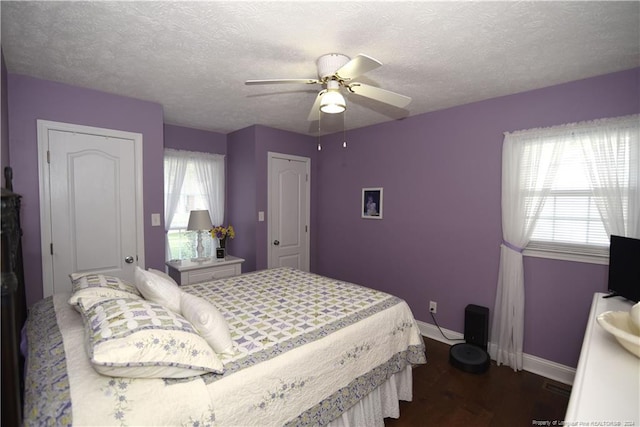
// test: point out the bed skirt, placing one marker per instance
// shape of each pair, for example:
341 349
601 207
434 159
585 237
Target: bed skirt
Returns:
381 403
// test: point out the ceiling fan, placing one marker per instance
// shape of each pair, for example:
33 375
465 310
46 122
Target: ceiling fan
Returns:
337 71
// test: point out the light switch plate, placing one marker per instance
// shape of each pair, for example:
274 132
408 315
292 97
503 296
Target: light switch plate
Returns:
155 219
261 216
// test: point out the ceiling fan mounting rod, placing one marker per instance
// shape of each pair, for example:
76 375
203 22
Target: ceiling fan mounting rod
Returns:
333 84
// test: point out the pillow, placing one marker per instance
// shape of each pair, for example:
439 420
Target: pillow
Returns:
163 275
98 294
86 281
208 321
140 339
158 289
100 286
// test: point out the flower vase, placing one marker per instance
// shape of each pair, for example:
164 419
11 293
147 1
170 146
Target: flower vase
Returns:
221 252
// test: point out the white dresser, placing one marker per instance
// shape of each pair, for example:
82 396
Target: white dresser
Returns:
606 388
186 272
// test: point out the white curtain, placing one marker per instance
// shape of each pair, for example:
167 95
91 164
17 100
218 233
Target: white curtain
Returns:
210 173
612 155
529 164
530 160
209 170
175 168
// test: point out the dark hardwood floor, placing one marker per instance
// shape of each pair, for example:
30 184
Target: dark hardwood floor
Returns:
446 396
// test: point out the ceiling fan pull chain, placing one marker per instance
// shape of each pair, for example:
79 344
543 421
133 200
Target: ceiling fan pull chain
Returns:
319 145
344 129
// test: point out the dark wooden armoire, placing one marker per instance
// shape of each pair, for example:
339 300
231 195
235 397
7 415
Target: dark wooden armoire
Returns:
14 309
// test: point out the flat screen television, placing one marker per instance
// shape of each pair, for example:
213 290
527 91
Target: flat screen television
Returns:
624 267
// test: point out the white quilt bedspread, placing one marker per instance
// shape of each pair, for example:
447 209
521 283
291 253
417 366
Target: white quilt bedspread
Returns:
307 349
278 390
353 339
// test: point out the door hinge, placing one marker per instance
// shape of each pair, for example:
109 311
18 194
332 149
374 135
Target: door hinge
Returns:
306 177
306 228
48 156
51 248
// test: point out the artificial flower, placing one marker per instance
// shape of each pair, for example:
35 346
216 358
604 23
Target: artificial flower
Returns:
220 232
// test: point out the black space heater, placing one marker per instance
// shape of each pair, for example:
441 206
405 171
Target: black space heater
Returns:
471 356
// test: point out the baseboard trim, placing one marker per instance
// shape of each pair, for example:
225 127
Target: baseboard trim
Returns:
533 364
549 369
432 331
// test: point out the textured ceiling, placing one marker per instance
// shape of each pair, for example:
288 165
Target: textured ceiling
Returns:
193 57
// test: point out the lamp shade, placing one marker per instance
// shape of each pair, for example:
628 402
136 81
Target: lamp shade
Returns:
332 102
199 220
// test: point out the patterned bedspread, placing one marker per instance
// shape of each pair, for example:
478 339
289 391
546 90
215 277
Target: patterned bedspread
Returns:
308 348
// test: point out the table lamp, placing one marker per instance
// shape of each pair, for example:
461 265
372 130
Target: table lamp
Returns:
199 220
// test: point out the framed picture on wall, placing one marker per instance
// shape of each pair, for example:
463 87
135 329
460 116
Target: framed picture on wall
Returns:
371 203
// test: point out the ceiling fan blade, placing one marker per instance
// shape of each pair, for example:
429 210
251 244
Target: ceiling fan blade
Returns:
281 81
378 94
314 114
358 66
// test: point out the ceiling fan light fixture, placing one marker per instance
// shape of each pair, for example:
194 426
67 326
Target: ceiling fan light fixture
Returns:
332 102
337 71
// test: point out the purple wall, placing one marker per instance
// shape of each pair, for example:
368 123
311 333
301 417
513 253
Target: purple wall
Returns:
440 236
558 296
183 138
241 195
4 116
31 99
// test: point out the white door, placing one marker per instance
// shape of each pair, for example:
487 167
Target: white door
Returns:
289 205
91 204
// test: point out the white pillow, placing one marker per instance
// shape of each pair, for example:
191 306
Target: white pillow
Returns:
163 275
140 339
208 321
158 289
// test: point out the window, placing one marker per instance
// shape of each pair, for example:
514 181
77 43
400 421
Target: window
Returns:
192 181
569 220
579 184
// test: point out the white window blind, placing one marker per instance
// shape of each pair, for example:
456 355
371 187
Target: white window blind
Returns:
569 220
575 214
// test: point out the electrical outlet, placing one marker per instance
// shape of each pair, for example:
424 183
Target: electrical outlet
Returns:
433 307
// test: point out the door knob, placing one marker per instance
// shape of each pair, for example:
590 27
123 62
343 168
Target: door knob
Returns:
276 242
128 260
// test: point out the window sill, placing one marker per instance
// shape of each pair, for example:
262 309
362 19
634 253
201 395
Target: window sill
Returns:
564 256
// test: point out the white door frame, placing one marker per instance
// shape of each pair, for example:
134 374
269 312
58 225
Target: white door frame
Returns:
307 161
44 126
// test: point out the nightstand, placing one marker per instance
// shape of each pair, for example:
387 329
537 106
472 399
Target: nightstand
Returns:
186 272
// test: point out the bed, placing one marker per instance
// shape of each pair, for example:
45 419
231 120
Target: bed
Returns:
307 350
